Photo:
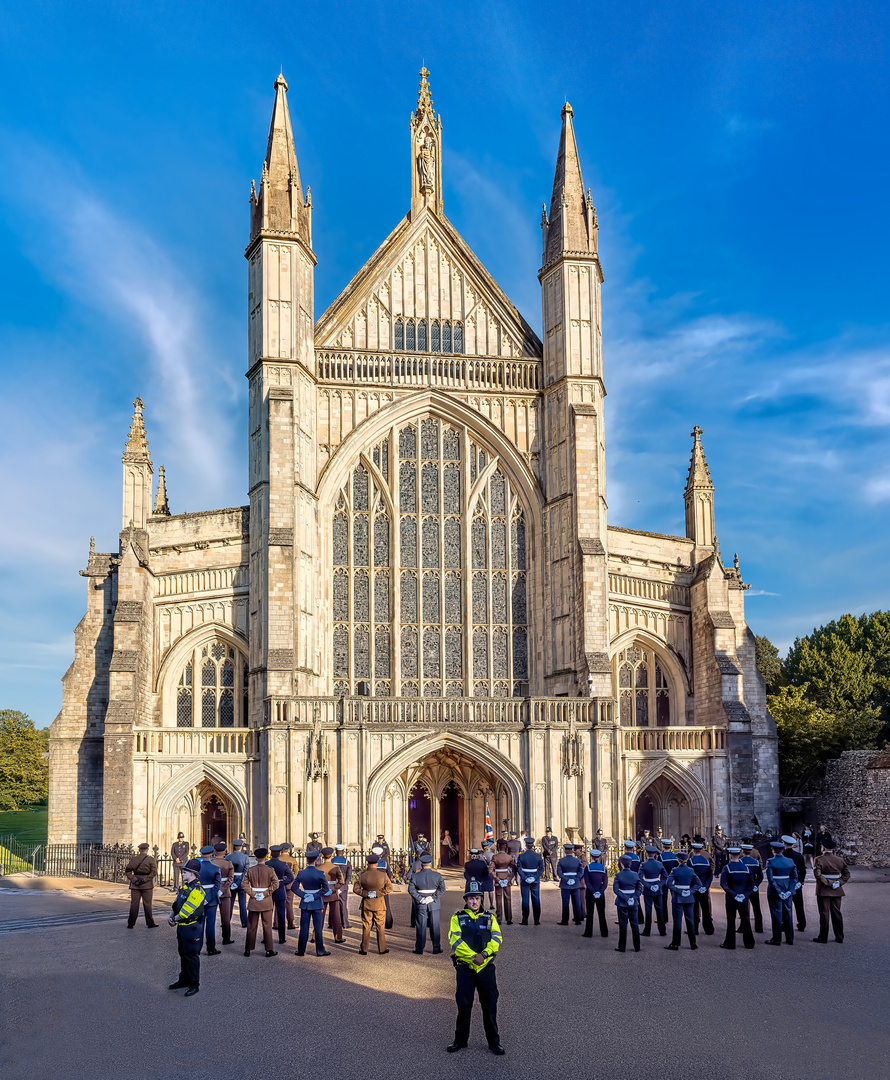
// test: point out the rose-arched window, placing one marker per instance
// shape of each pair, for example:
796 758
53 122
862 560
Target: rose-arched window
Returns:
212 689
432 603
644 694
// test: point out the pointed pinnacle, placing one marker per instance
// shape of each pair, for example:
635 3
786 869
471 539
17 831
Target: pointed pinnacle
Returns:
137 444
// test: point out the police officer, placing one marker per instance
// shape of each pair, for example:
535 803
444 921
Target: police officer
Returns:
340 859
718 846
737 883
549 846
781 876
188 918
530 869
704 870
381 843
426 888
279 897
750 856
596 881
831 873
503 867
627 887
241 864
314 843
227 876
653 876
179 853
800 866
311 886
679 886
141 872
475 938
569 869
211 882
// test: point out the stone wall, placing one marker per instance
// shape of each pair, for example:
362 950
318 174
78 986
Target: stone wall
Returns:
855 806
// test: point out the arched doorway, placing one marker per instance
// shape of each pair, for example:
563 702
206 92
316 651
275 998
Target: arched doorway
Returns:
665 806
214 818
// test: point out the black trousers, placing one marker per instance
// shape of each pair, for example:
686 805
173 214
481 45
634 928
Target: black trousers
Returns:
210 925
830 906
576 906
733 908
470 983
317 919
188 942
799 911
280 920
595 904
388 923
703 912
242 907
683 913
530 893
145 896
628 915
225 918
758 913
653 900
427 916
549 867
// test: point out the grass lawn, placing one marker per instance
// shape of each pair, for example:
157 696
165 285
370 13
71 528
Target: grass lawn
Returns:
26 826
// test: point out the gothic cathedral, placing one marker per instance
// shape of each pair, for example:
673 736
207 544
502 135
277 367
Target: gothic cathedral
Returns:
423 612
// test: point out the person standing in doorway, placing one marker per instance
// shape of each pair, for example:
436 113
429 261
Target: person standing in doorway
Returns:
448 850
141 872
808 843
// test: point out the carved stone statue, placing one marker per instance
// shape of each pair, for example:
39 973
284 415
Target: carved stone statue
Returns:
427 166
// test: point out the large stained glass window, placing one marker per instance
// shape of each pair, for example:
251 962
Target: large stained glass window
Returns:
429 600
207 694
644 695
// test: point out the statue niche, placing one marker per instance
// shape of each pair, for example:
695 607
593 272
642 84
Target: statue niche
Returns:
427 164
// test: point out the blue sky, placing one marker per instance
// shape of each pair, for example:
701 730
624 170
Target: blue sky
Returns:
738 157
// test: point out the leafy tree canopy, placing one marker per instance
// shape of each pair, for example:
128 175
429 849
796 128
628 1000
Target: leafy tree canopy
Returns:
769 663
23 769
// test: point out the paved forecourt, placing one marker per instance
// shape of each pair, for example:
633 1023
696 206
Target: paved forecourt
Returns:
90 999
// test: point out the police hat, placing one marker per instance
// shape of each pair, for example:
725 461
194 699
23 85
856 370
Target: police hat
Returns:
327 852
786 839
380 836
371 859
733 850
340 847
426 857
548 829
473 889
595 851
144 847
193 865
180 836
777 843
220 846
207 849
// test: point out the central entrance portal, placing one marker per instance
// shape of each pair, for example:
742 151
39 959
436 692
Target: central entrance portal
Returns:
448 793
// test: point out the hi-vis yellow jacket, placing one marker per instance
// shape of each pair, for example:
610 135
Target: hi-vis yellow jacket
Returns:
474 932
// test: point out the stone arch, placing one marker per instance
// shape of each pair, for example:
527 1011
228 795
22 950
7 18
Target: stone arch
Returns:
686 781
181 787
670 660
167 677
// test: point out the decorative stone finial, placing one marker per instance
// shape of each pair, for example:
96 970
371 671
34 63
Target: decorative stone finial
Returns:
137 444
424 101
567 110
92 546
281 81
161 505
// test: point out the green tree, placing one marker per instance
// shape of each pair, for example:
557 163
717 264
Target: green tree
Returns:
810 736
23 769
769 663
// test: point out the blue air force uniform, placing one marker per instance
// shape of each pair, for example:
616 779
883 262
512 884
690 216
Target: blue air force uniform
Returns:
680 884
627 888
737 882
781 875
242 864
569 870
210 880
311 886
630 852
755 866
670 862
704 871
426 887
530 869
653 877
596 882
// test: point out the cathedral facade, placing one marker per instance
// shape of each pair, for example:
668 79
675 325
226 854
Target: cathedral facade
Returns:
423 613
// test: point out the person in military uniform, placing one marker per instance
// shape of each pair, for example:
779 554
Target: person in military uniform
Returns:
679 886
750 856
345 867
530 868
314 843
503 867
477 869
549 846
570 869
188 918
227 876
718 847
800 866
596 881
179 853
626 886
241 864
336 883
670 862
381 843
737 883
288 859
630 852
514 850
211 882
382 854
704 870
426 888
259 883
831 873
373 886
279 897
781 876
475 937
311 886
141 872
644 843
487 854
653 876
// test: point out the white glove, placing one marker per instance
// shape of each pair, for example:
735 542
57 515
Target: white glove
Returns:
756 888
740 898
835 884
702 889
427 900
799 885
372 895
597 895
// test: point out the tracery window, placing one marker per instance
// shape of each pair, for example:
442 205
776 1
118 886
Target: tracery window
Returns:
207 694
436 606
444 336
644 693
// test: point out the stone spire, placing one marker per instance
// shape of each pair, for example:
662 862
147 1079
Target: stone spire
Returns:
279 206
426 151
138 471
161 506
699 496
572 226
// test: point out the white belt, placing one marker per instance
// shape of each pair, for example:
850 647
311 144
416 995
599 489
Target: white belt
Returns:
628 892
651 880
775 878
832 877
426 892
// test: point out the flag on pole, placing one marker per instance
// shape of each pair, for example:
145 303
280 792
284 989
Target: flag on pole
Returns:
489 831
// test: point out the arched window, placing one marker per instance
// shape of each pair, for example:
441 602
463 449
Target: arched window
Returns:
446 337
421 336
458 337
430 608
644 695
435 337
399 335
214 702
410 337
